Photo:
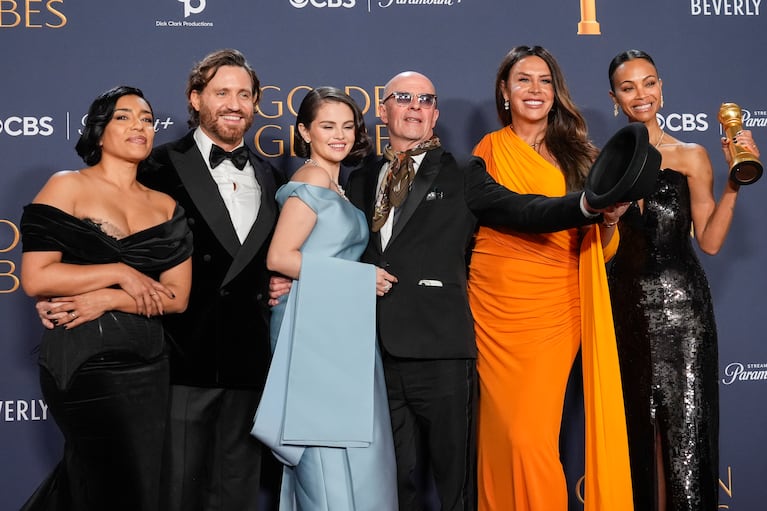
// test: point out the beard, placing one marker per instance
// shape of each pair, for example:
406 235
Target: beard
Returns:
231 135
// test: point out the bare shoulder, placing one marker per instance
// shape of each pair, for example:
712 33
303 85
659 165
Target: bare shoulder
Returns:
61 190
689 158
313 175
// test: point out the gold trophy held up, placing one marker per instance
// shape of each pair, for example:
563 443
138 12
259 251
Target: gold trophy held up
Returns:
746 168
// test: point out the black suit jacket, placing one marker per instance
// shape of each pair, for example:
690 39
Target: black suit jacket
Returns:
430 238
222 339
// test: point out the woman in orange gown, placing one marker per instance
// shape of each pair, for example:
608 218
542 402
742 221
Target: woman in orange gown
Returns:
535 297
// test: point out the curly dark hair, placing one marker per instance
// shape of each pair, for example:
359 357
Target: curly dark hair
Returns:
307 112
566 134
88 147
204 71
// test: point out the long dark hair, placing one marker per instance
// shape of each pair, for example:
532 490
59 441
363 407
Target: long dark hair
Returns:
566 133
307 112
99 115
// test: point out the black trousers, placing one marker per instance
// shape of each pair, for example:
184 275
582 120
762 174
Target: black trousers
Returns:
113 418
433 411
212 461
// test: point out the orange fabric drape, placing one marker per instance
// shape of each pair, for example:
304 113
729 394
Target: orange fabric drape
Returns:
534 298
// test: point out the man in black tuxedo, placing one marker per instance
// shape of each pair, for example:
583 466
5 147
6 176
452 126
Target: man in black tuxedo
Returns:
220 345
423 207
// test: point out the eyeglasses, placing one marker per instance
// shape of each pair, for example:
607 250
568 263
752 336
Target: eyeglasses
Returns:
425 100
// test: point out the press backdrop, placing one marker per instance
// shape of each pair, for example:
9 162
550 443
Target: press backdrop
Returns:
57 55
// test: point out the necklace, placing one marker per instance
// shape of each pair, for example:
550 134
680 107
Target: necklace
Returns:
337 186
536 145
660 139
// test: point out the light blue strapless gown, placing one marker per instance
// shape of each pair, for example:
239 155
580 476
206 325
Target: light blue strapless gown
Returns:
324 412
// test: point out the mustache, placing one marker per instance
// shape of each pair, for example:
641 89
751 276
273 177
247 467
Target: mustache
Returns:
230 111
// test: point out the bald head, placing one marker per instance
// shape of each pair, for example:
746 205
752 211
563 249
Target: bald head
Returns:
406 77
409 124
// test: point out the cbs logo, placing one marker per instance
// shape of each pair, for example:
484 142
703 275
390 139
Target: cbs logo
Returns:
300 4
683 122
16 126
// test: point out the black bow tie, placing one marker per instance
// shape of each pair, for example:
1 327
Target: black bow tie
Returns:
239 156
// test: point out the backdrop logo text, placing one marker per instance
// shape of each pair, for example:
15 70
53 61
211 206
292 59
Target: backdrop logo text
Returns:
32 14
300 4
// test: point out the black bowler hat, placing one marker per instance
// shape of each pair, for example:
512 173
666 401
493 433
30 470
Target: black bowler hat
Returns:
625 170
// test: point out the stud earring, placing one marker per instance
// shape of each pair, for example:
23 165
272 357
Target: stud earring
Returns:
506 105
615 109
307 141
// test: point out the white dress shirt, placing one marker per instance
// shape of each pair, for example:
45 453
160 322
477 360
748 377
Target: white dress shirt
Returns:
239 189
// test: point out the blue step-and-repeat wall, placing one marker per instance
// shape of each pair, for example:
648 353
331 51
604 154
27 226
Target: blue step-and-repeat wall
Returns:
56 55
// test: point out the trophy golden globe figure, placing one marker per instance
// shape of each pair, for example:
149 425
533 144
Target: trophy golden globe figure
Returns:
746 168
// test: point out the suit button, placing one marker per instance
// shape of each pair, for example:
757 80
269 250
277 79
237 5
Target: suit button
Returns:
259 297
206 258
190 221
224 292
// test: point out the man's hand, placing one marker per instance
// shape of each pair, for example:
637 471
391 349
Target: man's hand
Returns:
278 287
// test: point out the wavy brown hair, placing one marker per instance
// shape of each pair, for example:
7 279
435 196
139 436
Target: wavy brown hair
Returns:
204 71
566 133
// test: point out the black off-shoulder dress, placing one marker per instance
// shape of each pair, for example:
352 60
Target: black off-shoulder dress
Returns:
105 382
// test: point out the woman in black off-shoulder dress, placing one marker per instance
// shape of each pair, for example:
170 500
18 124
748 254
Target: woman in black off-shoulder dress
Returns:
662 309
112 256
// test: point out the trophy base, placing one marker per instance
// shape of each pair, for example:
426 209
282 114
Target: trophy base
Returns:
588 28
746 172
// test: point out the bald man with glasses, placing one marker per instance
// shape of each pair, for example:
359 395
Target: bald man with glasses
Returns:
423 207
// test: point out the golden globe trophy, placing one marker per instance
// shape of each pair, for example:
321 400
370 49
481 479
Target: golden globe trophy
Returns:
588 24
746 168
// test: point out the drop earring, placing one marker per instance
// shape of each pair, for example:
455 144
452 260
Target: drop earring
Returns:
506 105
661 100
615 109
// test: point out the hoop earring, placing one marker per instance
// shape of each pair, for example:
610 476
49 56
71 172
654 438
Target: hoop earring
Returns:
506 105
615 109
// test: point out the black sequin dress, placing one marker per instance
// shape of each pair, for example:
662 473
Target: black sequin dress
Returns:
667 346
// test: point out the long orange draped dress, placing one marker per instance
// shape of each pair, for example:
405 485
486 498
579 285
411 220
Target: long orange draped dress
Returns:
534 297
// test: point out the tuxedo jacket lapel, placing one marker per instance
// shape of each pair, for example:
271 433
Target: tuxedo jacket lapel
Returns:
198 182
424 177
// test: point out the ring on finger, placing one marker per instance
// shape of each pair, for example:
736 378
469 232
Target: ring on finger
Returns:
73 314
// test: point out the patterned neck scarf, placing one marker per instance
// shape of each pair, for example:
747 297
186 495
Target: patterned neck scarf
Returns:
399 178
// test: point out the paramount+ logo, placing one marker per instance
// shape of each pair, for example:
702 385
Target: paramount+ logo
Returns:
300 4
32 14
16 126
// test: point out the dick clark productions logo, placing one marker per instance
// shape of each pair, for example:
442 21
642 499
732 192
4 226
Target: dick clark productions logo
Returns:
190 9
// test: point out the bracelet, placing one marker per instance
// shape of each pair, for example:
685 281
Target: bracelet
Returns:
609 224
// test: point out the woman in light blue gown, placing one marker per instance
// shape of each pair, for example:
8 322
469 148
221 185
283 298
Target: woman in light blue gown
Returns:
324 411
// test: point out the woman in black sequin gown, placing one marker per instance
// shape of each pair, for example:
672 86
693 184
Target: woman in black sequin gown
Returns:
118 256
664 319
